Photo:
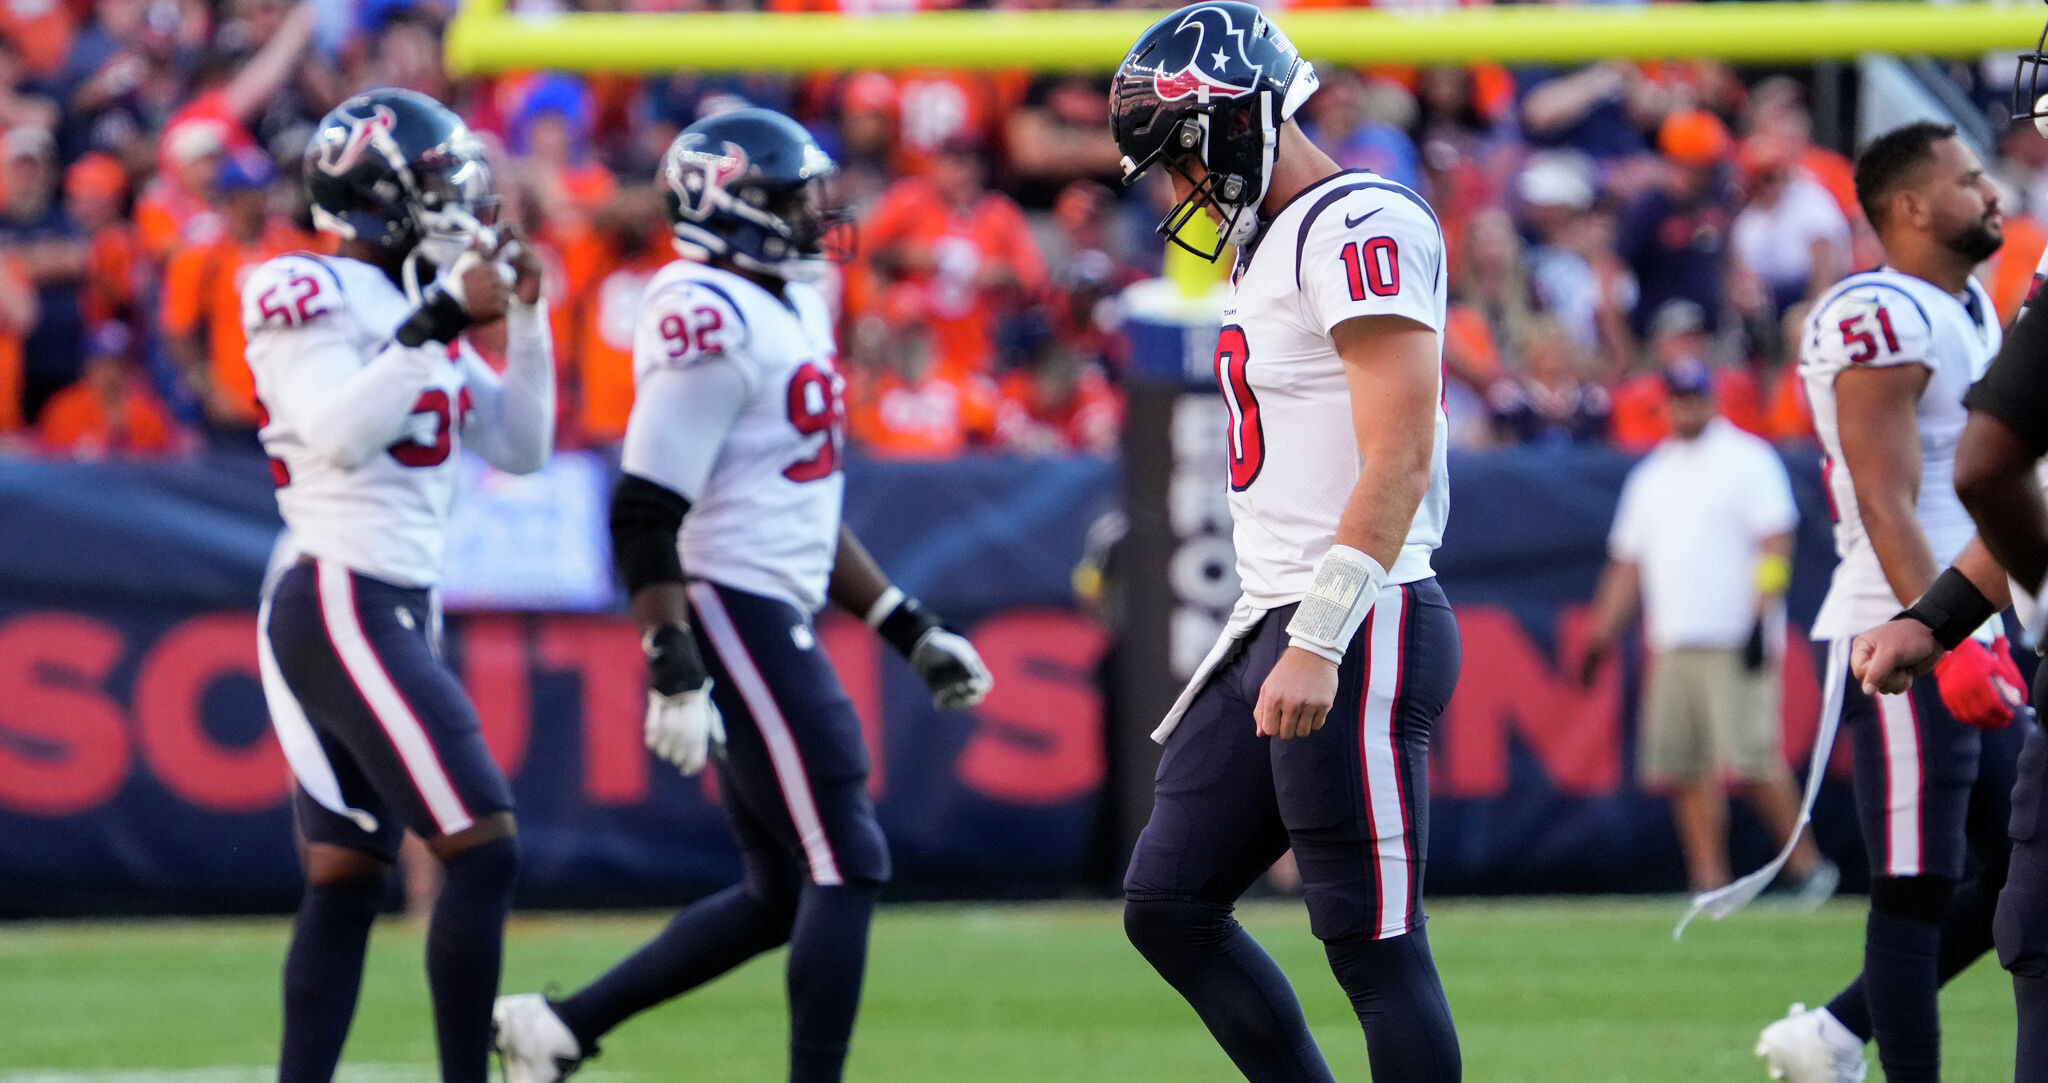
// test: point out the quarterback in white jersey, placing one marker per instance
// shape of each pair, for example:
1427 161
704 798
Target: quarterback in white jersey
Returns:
1307 726
731 479
1887 357
369 391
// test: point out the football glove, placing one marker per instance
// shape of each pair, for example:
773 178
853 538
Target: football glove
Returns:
1981 686
683 723
948 663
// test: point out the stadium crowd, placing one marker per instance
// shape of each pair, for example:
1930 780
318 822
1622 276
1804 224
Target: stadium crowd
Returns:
1606 223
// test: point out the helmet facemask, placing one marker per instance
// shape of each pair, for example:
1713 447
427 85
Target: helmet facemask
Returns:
1232 195
2027 84
454 210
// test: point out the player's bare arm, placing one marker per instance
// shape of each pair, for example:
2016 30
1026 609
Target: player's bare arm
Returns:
1995 479
1889 656
949 664
1390 363
1880 437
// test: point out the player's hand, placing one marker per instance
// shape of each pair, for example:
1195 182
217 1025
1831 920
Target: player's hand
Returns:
1295 700
1889 656
1981 687
682 728
951 668
518 253
682 721
479 284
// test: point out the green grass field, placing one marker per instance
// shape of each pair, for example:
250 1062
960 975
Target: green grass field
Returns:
1584 991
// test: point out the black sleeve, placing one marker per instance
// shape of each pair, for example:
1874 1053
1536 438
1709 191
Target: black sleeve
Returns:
2015 388
644 520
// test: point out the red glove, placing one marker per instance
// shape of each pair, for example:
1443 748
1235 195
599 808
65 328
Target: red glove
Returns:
1981 687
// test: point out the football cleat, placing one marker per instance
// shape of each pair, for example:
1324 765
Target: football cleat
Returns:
1811 1047
532 1041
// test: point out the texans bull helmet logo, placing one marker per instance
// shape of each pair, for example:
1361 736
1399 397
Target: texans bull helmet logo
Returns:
695 173
338 156
1205 67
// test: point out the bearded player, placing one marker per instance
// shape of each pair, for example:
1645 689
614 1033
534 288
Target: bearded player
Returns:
1308 724
734 441
1887 356
369 392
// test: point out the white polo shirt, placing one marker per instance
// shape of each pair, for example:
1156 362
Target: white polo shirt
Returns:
1692 516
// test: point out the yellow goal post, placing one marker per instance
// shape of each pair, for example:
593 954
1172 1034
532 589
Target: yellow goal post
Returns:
487 38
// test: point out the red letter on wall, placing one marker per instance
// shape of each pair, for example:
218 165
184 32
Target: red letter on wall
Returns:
604 652
63 748
1507 690
169 690
1040 737
494 674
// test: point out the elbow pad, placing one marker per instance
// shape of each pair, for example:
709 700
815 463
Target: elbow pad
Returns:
644 520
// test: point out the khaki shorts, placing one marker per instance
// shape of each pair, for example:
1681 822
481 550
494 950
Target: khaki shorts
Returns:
1704 715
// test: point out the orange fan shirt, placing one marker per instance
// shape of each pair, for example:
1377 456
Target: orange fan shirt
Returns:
77 420
203 291
13 277
961 314
935 419
1088 421
601 364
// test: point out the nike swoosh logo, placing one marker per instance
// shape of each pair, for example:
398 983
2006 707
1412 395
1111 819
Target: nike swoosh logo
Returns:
1352 223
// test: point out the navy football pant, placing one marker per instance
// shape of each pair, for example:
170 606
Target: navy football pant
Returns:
1352 801
1933 801
2021 926
382 737
794 783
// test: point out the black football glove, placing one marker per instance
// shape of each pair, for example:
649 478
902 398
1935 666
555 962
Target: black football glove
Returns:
949 664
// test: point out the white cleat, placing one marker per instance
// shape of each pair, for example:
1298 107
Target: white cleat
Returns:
532 1041
1811 1047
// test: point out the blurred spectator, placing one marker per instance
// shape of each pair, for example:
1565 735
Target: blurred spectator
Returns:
1055 137
53 253
900 405
1490 278
21 106
1777 108
936 108
1674 237
1467 146
110 410
1552 403
34 36
405 51
1091 275
1791 236
629 241
1679 340
1601 110
1365 126
176 207
123 72
1573 271
95 190
968 249
17 316
202 302
1053 401
550 136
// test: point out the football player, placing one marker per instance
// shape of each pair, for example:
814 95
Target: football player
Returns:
1886 357
1308 724
369 391
734 444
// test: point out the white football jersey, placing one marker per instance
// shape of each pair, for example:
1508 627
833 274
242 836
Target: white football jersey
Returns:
1355 244
1878 318
767 520
386 516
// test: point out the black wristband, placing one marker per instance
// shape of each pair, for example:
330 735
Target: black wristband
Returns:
1953 607
673 664
438 319
906 624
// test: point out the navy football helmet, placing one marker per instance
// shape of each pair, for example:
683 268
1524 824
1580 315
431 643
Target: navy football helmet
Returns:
746 187
2029 95
1211 83
399 170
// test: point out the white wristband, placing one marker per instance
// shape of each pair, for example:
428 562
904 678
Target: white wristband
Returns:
884 605
1347 583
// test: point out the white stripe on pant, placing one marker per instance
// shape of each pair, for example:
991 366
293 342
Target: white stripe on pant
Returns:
408 737
1899 724
1381 761
782 750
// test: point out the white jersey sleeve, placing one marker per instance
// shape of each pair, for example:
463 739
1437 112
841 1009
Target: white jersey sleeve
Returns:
681 417
513 420
1871 325
308 369
1371 255
686 322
